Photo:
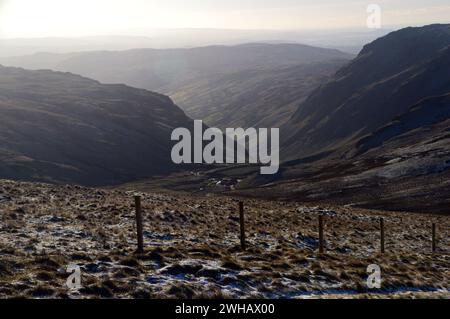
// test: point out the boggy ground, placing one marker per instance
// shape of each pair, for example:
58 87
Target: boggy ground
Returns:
192 247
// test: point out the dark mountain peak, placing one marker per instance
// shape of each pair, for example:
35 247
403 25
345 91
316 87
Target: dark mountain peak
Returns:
431 37
398 50
389 76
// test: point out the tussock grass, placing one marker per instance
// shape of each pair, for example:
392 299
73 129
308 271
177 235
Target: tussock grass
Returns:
192 247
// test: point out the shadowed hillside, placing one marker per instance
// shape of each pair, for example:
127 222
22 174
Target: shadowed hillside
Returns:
63 127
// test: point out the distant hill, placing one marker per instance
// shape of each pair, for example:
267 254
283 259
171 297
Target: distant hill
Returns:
425 116
61 127
242 85
27 46
265 97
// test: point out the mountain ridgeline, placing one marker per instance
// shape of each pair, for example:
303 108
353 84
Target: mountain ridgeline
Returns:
388 77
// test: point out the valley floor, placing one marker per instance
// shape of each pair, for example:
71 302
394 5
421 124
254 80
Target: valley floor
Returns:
192 247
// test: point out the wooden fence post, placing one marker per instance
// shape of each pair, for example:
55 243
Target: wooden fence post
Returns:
321 244
139 231
433 236
382 235
242 222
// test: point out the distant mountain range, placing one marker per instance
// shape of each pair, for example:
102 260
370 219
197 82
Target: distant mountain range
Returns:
351 40
227 86
60 127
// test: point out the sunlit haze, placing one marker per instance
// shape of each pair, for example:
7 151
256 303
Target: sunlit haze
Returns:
68 18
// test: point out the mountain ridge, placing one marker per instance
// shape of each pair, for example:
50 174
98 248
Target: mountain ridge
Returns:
366 94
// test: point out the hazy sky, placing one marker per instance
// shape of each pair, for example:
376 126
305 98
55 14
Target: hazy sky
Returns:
41 18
